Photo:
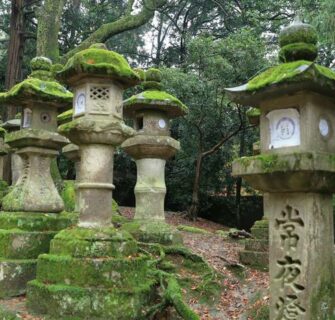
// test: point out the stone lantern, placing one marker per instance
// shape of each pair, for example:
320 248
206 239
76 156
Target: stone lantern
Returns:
31 210
97 126
94 271
151 112
296 168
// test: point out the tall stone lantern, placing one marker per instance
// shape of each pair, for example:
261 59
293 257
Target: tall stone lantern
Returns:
94 271
97 126
31 215
296 168
151 112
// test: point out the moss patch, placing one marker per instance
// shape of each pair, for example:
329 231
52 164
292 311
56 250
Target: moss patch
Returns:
65 116
155 98
99 62
291 72
39 90
298 51
192 229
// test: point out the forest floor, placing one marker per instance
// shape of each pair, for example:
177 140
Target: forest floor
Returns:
244 288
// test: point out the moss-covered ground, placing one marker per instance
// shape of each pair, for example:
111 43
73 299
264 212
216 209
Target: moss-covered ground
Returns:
198 278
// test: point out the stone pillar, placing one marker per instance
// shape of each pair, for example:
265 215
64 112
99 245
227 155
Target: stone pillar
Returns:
296 171
95 186
150 189
301 256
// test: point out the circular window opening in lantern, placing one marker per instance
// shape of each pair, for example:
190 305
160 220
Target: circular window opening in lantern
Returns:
45 117
162 124
324 127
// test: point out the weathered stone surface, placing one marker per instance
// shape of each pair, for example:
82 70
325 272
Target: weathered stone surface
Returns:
96 272
153 232
61 301
301 254
93 243
14 274
261 245
254 259
18 244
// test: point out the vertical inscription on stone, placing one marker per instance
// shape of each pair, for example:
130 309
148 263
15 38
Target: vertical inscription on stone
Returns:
289 225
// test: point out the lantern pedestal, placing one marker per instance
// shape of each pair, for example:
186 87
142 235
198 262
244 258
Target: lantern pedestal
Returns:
92 273
23 236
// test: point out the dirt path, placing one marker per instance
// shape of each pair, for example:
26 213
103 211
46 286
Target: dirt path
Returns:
243 286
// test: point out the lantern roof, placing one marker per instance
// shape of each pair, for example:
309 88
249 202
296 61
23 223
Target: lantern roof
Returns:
39 87
153 98
296 72
98 62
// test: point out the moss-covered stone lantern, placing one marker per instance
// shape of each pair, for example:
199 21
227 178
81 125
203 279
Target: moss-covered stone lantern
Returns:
98 78
31 217
94 270
3 153
37 142
296 168
151 112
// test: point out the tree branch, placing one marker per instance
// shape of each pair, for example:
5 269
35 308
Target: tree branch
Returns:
125 23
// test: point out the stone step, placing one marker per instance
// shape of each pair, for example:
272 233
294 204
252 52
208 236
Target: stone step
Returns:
14 274
260 233
82 242
37 221
70 302
259 245
106 272
18 244
257 260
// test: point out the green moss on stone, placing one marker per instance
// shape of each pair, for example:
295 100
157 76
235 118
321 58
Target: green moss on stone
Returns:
41 63
192 229
153 75
155 98
153 232
298 51
84 242
39 90
65 116
8 315
37 221
68 195
298 33
277 74
99 62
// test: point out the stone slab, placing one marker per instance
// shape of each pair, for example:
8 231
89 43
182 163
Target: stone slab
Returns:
14 274
95 272
18 244
62 301
257 260
258 245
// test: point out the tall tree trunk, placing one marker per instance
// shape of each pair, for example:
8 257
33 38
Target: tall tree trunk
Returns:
15 51
49 21
194 209
239 179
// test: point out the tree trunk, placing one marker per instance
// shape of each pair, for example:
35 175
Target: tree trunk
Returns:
15 51
49 21
239 179
194 209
